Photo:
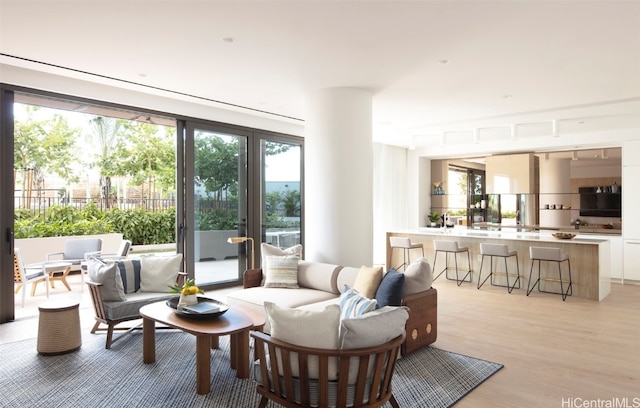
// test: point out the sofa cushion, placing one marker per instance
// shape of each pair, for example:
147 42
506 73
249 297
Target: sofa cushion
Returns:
159 273
318 275
108 275
390 290
353 304
130 273
309 329
282 272
417 277
254 298
347 276
368 279
131 308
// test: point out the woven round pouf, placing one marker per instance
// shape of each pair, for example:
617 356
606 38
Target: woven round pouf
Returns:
59 327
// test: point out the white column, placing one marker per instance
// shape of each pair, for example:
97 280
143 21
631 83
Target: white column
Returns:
338 156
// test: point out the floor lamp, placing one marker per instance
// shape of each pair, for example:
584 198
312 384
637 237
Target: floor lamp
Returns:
239 240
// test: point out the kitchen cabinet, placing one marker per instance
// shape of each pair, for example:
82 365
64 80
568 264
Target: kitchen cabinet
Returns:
631 254
630 211
512 174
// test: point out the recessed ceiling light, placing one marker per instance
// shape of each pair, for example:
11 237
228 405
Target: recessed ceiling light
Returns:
443 61
227 39
507 96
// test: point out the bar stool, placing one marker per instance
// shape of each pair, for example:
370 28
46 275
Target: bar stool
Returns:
550 255
449 247
405 244
502 251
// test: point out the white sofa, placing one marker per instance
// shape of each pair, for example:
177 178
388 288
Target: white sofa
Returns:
321 284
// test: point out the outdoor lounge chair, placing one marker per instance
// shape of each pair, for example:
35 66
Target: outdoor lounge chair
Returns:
76 252
22 276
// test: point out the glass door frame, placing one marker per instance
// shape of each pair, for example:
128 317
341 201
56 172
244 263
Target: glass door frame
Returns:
186 229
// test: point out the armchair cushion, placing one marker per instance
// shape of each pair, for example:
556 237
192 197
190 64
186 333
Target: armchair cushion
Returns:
373 328
309 329
108 275
370 329
159 273
282 272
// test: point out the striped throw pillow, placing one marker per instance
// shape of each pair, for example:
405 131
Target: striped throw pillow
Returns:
130 274
282 272
353 304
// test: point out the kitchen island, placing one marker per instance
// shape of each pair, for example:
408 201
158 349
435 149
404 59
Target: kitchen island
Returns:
589 255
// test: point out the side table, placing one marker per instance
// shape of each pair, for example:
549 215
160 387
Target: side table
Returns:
59 327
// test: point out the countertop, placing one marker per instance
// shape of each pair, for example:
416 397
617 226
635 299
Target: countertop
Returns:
584 229
511 234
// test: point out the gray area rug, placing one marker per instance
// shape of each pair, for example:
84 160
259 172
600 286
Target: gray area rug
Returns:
95 377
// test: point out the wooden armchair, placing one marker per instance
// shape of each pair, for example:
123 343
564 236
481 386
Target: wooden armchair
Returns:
111 314
364 378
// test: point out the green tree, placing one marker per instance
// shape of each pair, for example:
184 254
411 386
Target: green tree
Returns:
105 137
43 146
216 164
149 158
272 200
291 203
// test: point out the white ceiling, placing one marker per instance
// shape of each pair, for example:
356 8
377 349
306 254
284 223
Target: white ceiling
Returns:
510 64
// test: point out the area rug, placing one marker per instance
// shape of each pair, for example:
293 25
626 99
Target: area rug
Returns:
95 377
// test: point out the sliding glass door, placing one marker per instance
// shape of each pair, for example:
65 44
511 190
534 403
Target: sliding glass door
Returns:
282 193
215 204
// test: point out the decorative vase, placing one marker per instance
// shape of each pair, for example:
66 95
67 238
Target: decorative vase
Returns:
186 300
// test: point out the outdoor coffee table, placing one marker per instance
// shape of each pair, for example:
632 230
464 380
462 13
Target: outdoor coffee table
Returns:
233 322
52 268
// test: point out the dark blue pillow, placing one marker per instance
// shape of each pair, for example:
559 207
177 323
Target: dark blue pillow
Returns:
389 291
130 274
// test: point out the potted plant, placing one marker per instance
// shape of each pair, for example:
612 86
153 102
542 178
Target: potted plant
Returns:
434 217
188 292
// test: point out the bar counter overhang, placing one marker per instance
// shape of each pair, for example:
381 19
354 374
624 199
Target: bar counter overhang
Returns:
589 256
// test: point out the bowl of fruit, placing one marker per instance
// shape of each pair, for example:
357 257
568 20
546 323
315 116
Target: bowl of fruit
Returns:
563 235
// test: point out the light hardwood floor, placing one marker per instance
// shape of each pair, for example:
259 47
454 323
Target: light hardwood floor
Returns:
555 354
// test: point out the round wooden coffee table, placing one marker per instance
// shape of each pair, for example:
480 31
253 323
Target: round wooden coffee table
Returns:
233 322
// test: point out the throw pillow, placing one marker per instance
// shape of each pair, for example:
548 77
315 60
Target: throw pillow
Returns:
130 273
368 280
316 329
282 272
159 273
389 291
353 304
270 250
371 329
108 275
417 277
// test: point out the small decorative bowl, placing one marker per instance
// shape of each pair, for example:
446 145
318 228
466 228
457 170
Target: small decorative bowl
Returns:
563 235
